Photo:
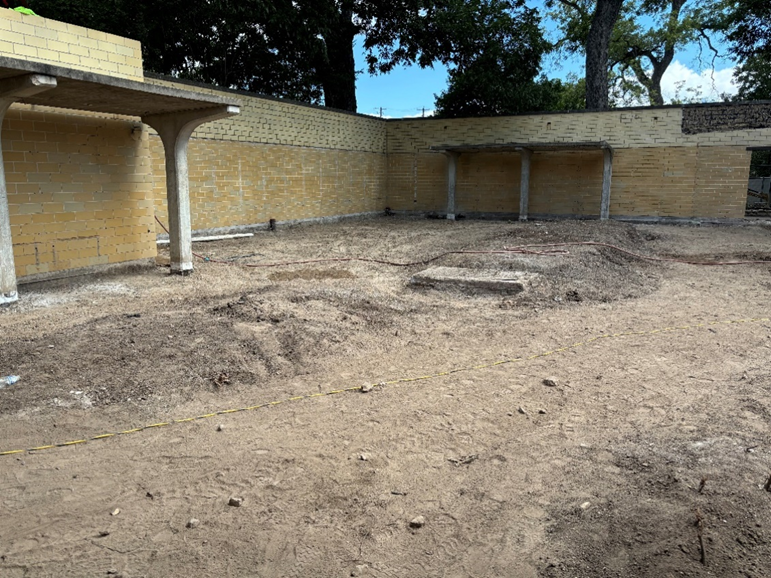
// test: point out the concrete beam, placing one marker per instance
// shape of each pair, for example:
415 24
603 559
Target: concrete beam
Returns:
525 156
11 90
607 173
175 130
452 174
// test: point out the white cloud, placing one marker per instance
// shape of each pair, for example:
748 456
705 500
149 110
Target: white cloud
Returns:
683 84
426 114
423 114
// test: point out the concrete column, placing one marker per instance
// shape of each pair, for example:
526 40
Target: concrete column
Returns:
607 173
452 172
524 184
175 130
11 90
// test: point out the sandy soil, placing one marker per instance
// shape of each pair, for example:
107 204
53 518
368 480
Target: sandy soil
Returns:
646 443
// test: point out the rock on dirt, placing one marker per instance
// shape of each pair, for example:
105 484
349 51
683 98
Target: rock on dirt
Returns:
417 522
550 382
193 523
235 502
367 387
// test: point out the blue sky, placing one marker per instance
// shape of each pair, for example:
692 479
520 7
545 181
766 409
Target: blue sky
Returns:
406 91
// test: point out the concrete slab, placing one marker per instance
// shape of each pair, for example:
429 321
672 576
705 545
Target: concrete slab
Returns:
474 280
80 90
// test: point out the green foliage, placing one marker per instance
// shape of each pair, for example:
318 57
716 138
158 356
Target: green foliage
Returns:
493 49
255 45
303 49
747 25
645 39
475 93
570 94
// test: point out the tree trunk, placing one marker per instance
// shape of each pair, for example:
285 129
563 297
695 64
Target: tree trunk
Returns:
597 43
659 65
339 76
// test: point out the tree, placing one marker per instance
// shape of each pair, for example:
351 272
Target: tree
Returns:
643 42
648 53
587 26
597 45
493 49
300 49
747 26
256 45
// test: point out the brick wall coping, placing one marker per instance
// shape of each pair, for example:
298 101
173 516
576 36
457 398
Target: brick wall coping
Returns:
88 91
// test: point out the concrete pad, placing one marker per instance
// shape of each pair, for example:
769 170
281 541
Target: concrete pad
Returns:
491 280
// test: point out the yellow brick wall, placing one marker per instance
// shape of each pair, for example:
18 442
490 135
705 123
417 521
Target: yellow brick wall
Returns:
53 42
278 160
236 183
657 171
721 181
621 129
83 190
79 191
271 121
566 183
488 183
561 183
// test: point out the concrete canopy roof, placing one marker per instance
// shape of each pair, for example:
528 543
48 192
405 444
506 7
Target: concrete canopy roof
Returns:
515 147
87 91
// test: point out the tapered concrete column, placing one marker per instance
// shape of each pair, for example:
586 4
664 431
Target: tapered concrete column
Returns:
452 173
607 173
175 130
524 183
11 90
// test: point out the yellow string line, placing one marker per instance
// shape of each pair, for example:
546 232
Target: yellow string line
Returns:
392 382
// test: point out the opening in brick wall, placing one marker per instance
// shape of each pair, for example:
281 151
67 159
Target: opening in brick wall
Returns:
759 186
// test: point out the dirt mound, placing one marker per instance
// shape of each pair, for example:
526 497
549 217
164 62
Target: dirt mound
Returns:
240 340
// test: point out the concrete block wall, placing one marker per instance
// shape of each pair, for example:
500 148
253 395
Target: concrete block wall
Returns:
79 191
657 171
39 39
278 160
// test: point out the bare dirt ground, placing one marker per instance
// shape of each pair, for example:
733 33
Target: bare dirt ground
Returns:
645 443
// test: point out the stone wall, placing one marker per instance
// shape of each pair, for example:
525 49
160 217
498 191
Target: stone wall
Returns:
726 117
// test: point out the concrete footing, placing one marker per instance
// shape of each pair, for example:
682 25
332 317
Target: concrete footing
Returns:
474 280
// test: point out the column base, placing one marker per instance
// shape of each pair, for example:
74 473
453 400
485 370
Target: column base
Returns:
450 216
8 298
181 268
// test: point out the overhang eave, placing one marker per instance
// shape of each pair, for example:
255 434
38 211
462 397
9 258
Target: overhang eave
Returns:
87 91
519 146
